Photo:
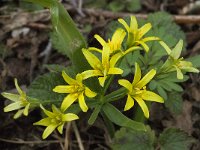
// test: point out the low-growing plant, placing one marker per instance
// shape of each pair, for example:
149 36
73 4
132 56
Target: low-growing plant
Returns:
85 84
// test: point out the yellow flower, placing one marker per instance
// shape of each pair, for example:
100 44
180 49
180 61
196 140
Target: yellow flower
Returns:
101 69
135 34
137 90
76 90
174 63
20 102
115 43
55 119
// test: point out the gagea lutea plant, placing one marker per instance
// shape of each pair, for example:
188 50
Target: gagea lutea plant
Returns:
94 70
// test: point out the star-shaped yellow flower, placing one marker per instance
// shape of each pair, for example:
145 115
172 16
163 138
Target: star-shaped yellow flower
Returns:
174 63
76 90
20 102
101 68
115 43
135 34
137 90
55 119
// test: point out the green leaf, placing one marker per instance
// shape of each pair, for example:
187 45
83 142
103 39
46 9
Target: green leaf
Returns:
116 6
94 114
174 139
126 139
118 118
133 5
163 27
59 68
174 102
66 33
41 88
94 4
195 60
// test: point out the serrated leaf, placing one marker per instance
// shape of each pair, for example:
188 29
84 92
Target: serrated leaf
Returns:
195 60
116 6
128 140
174 139
133 5
163 27
59 68
174 102
42 88
118 118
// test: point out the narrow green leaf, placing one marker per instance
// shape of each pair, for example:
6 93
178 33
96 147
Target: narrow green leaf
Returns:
94 115
118 118
66 33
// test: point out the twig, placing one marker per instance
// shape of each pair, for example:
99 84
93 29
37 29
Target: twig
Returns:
182 19
78 137
29 142
67 133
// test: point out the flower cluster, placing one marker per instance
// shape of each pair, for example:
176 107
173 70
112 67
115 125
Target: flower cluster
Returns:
104 63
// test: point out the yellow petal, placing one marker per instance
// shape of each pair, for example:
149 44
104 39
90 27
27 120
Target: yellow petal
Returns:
55 110
64 89
151 96
143 30
49 130
118 38
89 93
129 103
179 73
126 84
106 56
133 24
131 49
26 109
152 38
164 45
69 117
82 104
137 75
10 96
18 114
91 73
143 106
100 39
68 101
176 51
18 88
13 106
92 60
144 45
146 79
124 24
114 59
48 113
95 49
60 128
67 78
43 122
115 71
102 80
